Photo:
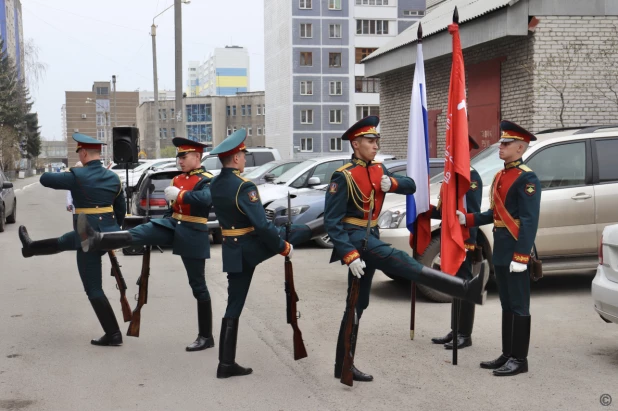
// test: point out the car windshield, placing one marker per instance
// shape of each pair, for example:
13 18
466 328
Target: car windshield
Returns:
257 172
486 163
142 167
292 172
212 163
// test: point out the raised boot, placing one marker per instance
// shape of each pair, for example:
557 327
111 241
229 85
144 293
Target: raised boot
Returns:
339 353
204 321
92 240
466 322
507 343
227 350
469 290
106 317
518 363
43 247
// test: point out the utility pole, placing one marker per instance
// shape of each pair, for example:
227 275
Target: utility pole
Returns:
115 107
181 131
157 136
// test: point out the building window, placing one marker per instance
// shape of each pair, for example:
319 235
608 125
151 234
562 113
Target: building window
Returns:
100 119
101 134
378 27
335 144
102 91
306 116
305 30
306 88
249 131
334 31
335 88
234 129
199 113
306 144
263 109
334 59
361 53
228 110
367 85
335 117
200 132
264 130
249 109
334 5
162 133
306 58
162 114
413 13
243 110
304 4
259 110
233 110
172 111
372 2
259 131
229 131
172 132
364 111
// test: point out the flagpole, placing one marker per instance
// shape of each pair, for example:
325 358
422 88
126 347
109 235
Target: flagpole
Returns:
419 37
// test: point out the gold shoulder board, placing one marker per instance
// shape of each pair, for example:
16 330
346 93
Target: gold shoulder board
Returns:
207 174
524 167
343 167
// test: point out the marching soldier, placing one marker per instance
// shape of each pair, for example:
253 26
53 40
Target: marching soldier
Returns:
354 190
514 210
97 194
185 230
474 197
248 239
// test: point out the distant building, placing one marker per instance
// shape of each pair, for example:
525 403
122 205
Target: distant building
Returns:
224 73
12 33
54 151
145 96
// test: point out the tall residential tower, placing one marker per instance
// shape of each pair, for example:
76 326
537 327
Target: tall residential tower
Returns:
224 73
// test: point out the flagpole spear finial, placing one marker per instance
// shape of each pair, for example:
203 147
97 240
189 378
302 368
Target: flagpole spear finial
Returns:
456 16
419 33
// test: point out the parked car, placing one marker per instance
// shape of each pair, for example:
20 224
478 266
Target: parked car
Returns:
310 174
256 157
269 171
309 205
605 283
579 179
8 202
158 205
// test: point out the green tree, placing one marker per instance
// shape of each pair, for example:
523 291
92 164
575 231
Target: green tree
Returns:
33 135
168 152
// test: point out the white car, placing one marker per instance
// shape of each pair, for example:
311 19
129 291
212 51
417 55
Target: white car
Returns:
605 283
136 173
310 174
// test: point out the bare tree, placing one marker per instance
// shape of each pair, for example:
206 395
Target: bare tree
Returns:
34 67
607 59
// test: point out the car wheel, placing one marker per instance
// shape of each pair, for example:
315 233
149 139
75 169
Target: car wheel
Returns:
2 219
431 258
13 217
217 236
324 242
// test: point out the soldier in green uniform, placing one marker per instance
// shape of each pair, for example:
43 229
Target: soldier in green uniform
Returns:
474 197
248 239
356 188
97 194
515 199
184 229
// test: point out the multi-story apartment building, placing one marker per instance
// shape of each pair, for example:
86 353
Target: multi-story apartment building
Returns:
224 73
11 32
315 82
95 112
209 119
163 95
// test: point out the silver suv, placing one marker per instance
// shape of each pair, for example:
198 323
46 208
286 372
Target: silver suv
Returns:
578 170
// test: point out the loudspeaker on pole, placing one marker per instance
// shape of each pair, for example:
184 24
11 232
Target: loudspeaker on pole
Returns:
126 144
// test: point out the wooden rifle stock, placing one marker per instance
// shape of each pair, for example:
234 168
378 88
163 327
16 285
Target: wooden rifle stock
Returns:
291 299
121 285
142 298
347 376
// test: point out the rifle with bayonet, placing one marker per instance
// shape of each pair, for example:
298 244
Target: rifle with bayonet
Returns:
351 324
121 285
291 298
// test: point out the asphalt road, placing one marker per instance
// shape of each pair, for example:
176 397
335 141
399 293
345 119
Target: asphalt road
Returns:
47 362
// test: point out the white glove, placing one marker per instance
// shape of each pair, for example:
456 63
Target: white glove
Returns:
461 217
517 267
356 267
291 251
171 193
386 184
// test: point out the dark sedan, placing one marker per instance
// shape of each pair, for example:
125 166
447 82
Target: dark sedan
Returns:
8 202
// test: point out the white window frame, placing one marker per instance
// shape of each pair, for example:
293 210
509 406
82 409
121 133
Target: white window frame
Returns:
337 144
340 59
162 132
370 112
229 131
308 116
249 131
335 116
413 13
334 31
334 5
101 134
335 88
259 131
259 110
372 2
374 27
304 4
306 88
305 143
306 30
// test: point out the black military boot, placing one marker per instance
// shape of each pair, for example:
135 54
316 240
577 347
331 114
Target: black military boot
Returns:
318 229
42 247
518 363
227 350
339 353
106 317
93 240
204 321
507 343
466 322
470 290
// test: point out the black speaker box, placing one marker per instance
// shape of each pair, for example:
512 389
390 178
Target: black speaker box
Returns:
126 144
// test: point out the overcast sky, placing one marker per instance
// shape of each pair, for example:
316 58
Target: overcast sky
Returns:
82 41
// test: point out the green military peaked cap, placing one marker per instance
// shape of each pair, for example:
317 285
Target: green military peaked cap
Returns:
232 145
86 142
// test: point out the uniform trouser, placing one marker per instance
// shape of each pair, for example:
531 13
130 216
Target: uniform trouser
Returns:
514 290
237 290
154 234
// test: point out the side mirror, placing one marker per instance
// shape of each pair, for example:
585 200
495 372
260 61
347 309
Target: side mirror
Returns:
269 177
280 220
7 185
314 181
